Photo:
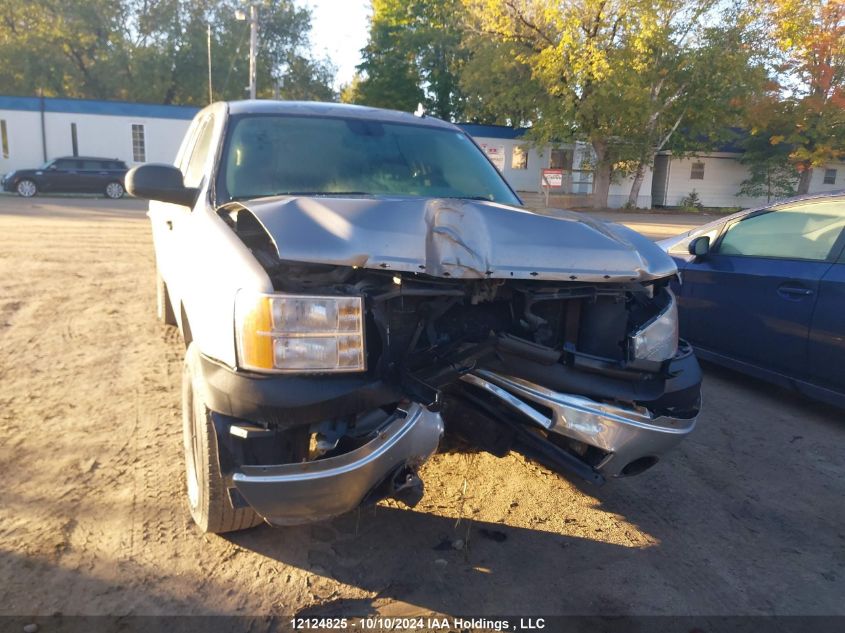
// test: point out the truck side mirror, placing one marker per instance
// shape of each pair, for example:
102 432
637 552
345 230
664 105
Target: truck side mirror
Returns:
700 246
156 181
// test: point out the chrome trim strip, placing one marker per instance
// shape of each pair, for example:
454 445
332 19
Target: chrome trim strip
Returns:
509 399
626 434
288 494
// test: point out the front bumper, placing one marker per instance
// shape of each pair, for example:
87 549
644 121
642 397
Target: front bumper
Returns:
633 438
291 494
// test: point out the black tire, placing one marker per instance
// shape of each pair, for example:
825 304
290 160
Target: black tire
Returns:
26 188
114 190
164 309
207 494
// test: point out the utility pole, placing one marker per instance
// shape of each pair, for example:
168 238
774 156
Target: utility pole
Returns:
210 92
253 44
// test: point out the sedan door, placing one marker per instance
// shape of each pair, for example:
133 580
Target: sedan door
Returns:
752 297
826 349
63 176
94 176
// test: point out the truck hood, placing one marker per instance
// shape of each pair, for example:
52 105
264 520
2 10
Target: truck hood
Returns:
455 238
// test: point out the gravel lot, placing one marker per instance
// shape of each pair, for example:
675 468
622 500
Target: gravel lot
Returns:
746 517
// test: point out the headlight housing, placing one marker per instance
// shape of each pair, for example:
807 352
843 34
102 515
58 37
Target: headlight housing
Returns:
279 333
657 340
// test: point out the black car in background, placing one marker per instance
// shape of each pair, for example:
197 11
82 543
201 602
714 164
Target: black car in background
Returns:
69 174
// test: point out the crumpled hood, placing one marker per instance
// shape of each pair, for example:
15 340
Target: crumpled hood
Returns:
462 239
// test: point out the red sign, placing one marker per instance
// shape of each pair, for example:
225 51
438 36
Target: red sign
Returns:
552 178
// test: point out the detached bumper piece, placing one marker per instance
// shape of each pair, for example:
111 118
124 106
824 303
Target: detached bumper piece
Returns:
296 493
625 440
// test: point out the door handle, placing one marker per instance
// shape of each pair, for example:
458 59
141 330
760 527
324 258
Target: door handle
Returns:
169 224
794 292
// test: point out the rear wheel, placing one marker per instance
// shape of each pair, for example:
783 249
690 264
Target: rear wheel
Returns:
164 309
114 190
26 188
208 496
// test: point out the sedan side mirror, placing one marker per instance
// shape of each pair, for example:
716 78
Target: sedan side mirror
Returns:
700 246
156 181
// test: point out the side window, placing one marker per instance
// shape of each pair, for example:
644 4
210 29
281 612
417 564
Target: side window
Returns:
68 164
74 141
805 231
139 143
561 159
4 139
696 171
830 176
519 158
196 164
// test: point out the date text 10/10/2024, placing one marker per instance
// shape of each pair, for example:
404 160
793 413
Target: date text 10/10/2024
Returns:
377 623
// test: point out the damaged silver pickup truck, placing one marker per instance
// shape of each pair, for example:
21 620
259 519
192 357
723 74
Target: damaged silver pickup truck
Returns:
351 281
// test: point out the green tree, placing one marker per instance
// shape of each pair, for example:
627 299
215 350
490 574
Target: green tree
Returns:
498 88
623 75
808 102
413 55
692 82
62 48
387 76
771 172
155 51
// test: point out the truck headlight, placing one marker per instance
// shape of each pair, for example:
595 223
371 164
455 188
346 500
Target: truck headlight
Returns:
299 334
657 340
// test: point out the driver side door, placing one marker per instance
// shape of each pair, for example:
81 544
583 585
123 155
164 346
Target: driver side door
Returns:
63 176
172 226
751 298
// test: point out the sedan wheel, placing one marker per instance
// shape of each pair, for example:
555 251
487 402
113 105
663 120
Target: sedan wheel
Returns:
114 190
27 188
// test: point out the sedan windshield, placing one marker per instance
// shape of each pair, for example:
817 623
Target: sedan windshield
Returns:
294 155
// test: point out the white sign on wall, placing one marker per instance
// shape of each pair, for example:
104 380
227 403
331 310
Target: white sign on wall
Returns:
552 178
496 154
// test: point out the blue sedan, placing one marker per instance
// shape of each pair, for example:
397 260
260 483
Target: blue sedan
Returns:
763 292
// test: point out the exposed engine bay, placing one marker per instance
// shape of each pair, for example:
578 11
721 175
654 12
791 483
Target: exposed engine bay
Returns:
528 365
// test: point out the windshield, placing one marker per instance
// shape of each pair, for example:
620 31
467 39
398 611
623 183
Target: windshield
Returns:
278 155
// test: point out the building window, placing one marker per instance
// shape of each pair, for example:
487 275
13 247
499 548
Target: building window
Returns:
73 142
519 158
697 171
830 176
4 138
139 147
561 159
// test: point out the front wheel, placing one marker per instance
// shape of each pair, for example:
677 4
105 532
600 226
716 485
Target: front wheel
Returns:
208 496
114 190
26 188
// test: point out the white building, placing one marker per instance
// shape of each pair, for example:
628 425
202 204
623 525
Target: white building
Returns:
521 163
34 130
717 178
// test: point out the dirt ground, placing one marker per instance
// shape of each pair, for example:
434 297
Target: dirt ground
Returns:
746 517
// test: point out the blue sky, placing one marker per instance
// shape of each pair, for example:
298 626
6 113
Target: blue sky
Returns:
339 31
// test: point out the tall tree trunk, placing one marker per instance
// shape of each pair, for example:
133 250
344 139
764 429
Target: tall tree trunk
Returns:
648 159
601 175
804 180
639 176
